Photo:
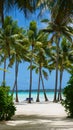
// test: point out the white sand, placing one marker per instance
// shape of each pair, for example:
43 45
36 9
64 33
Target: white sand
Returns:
41 109
39 116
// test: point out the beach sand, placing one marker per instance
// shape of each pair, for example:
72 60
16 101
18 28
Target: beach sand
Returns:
38 116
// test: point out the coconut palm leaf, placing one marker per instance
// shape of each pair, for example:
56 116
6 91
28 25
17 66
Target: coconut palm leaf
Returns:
4 70
24 5
45 74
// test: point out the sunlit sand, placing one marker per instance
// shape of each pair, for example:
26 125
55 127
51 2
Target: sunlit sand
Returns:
38 116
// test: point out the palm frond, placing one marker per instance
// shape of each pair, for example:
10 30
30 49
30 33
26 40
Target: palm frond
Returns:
45 20
45 74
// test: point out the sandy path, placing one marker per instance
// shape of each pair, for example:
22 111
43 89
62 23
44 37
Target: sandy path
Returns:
39 116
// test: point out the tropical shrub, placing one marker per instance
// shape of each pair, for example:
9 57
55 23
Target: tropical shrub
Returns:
68 97
7 108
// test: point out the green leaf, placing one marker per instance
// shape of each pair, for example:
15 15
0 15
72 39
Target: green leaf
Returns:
4 70
45 74
45 20
33 67
36 70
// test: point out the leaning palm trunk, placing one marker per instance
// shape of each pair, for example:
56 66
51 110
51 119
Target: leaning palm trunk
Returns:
13 88
2 20
30 87
60 88
16 76
56 80
38 92
4 73
46 99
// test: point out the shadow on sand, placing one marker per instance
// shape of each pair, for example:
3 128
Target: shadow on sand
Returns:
37 122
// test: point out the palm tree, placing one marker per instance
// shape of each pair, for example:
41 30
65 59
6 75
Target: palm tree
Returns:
5 6
61 13
32 32
35 38
58 26
64 63
6 39
19 53
41 62
11 38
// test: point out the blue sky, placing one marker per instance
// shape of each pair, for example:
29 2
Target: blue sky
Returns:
23 77
24 22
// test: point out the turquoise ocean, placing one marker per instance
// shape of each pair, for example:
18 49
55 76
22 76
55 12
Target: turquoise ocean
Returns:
22 95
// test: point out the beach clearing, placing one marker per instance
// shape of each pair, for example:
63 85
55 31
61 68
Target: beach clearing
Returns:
38 116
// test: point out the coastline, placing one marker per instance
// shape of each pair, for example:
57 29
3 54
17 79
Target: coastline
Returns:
22 95
35 90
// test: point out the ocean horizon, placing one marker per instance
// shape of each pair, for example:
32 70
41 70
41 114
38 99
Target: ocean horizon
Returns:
27 90
22 95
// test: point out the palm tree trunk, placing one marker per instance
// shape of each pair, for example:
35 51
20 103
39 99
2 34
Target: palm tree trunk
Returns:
13 88
2 12
30 87
16 76
4 73
60 88
38 92
46 99
56 80
2 20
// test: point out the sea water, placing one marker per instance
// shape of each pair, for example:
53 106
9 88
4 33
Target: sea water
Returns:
22 95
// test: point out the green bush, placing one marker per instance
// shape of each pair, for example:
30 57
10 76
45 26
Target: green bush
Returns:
68 97
7 108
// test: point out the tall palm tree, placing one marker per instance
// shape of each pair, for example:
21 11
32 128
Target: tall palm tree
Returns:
35 38
58 26
41 61
11 38
19 53
61 13
5 38
5 6
64 63
32 32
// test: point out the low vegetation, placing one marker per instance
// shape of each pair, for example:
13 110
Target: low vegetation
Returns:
68 95
7 108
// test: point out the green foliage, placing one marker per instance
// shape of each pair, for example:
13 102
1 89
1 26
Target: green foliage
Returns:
30 33
3 84
32 30
33 26
68 94
7 108
65 45
45 74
